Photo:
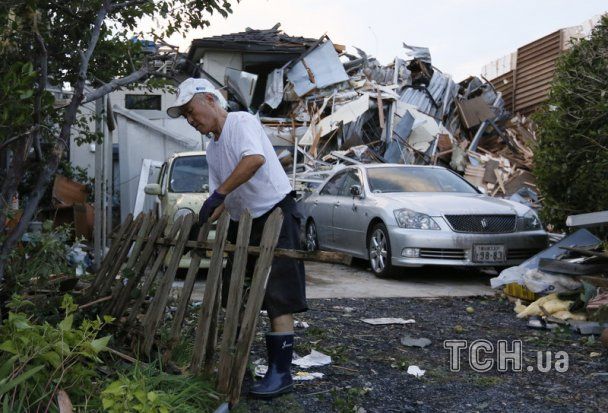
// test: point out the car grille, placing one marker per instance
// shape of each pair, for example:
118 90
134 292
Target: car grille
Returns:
484 224
445 254
521 253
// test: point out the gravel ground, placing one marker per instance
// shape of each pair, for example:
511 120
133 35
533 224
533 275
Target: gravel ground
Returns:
369 363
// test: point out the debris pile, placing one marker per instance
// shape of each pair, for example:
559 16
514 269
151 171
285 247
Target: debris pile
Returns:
328 108
566 285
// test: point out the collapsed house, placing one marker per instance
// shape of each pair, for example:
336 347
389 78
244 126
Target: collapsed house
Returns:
323 107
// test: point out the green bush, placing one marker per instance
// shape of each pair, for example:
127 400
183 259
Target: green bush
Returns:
39 360
571 159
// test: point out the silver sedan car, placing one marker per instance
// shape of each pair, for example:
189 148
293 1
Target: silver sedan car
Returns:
410 216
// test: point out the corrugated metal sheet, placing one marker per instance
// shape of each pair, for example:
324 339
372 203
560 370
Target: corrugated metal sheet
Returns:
504 84
534 72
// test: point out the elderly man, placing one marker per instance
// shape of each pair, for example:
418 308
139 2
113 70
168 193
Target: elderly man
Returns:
245 173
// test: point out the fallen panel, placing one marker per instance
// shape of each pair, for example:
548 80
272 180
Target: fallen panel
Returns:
318 69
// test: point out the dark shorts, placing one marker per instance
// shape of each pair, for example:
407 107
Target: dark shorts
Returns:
286 288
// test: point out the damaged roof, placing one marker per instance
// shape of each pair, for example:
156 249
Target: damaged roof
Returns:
255 40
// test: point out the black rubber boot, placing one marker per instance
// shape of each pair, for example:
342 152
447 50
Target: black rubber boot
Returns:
277 380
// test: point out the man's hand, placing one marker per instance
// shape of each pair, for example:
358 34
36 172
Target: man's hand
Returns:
215 200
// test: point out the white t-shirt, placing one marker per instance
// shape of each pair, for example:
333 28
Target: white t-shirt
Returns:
243 135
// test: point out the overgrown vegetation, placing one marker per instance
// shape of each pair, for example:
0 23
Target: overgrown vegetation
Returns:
38 360
571 160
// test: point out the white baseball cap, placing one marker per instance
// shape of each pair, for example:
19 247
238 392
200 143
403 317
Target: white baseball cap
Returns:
190 87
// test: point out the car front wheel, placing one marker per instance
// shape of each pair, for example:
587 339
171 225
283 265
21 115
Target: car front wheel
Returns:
379 251
312 242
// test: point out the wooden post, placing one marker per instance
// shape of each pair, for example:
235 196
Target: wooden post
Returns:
270 237
206 312
184 298
233 306
160 258
109 259
121 256
125 293
140 239
157 308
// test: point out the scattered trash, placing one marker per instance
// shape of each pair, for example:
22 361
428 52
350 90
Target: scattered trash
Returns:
470 310
415 371
307 376
415 342
300 324
595 354
345 309
458 329
539 323
387 320
314 359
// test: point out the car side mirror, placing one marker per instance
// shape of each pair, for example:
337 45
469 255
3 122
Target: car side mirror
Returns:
205 188
482 189
152 189
355 190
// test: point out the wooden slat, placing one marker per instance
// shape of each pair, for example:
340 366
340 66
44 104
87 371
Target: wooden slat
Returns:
157 307
270 237
233 306
213 331
140 267
317 256
186 292
211 287
109 260
121 257
140 240
160 259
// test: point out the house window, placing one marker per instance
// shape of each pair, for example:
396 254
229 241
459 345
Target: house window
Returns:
149 102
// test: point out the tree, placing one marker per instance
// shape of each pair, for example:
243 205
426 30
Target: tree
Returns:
83 43
571 160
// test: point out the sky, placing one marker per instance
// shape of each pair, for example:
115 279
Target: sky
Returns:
462 35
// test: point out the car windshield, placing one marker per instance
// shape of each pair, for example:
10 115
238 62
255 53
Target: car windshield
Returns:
412 179
189 174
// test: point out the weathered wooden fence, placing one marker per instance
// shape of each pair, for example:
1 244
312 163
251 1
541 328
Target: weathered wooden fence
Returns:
142 258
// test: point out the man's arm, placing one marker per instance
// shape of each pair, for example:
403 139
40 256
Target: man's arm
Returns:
244 171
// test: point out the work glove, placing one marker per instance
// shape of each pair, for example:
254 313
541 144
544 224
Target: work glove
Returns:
215 200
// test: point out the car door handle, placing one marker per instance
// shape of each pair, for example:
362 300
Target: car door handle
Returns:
337 204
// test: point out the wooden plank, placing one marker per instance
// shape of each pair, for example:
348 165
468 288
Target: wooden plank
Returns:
214 274
270 237
317 256
144 229
157 307
233 306
186 292
160 259
121 257
110 256
213 331
140 267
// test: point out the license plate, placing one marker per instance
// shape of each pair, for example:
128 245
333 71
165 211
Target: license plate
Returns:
489 253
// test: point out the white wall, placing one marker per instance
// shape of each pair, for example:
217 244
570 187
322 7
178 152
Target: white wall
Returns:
215 63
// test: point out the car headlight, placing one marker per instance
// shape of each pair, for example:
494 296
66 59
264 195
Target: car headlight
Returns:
406 218
530 221
182 212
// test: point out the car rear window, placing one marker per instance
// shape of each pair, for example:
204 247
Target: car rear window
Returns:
189 174
412 179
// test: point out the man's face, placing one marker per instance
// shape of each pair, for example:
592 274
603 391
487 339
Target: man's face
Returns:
200 113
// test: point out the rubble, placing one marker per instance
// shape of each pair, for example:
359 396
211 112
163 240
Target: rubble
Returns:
328 108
